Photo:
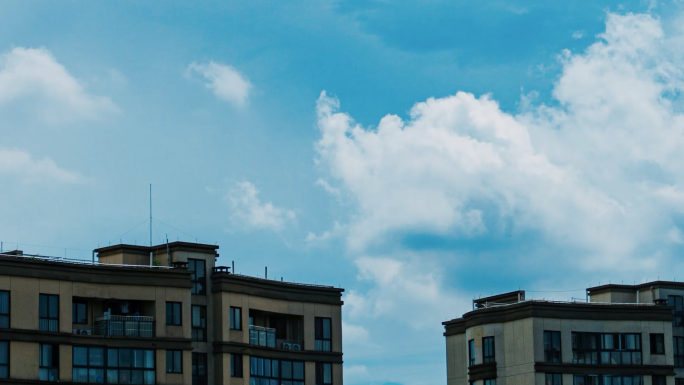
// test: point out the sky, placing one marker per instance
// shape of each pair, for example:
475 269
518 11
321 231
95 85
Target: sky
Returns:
418 154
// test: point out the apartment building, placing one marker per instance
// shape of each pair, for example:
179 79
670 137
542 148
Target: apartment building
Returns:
162 315
621 335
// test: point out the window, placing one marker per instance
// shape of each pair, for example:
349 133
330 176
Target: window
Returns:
471 352
658 380
490 382
595 379
4 309
173 313
678 312
267 371
88 364
323 337
606 349
657 343
236 365
120 366
79 314
174 361
198 277
49 312
488 350
554 379
199 323
236 318
199 369
323 373
678 349
4 359
679 381
552 347
48 369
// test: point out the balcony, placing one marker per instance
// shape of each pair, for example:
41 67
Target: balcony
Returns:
262 336
124 326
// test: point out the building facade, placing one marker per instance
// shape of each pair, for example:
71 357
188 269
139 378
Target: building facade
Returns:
622 335
162 315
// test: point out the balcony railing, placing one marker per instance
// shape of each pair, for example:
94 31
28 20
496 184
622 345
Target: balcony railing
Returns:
124 326
259 335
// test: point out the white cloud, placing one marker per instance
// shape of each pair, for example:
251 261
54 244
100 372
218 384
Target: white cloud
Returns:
578 34
227 83
355 334
327 187
597 175
248 210
337 231
33 75
355 373
20 164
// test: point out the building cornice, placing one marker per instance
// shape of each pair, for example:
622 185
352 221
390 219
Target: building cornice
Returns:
226 282
625 370
279 354
24 335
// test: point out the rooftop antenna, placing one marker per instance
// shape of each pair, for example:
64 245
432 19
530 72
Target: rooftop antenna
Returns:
150 214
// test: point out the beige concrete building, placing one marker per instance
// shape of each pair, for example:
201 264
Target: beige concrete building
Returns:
162 315
622 335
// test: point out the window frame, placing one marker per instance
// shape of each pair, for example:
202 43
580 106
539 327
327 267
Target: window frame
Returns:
553 378
654 343
279 366
552 353
74 312
52 369
601 377
658 380
179 307
175 353
7 364
197 281
320 373
678 315
6 315
199 379
678 347
199 333
321 343
236 362
492 357
234 318
598 354
471 352
48 318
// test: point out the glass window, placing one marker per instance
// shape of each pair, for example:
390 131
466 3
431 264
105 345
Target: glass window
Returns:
594 379
490 382
657 343
554 379
4 309
48 369
552 346
79 314
173 313
471 352
198 278
268 371
488 350
323 335
4 359
606 349
236 318
174 361
678 349
199 369
658 380
323 373
199 323
113 366
678 309
48 312
236 365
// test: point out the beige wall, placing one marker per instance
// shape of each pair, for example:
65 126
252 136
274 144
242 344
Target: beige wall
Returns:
24 360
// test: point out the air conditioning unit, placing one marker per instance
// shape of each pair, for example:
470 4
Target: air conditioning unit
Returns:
296 347
287 346
84 332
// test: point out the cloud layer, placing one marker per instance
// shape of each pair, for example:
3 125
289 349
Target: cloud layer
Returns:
226 82
247 210
21 165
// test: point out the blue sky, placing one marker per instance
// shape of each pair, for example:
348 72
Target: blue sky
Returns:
417 153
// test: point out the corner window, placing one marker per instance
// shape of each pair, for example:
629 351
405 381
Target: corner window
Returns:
79 313
48 312
4 359
198 277
236 365
554 379
173 313
471 352
48 365
199 323
488 350
199 369
678 349
657 343
174 361
323 336
552 346
235 318
323 373
4 309
678 309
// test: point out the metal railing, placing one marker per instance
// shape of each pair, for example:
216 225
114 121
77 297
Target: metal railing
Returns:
494 304
79 261
124 326
262 336
226 269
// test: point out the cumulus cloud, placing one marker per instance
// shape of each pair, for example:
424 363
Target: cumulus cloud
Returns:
33 75
21 165
248 210
225 81
337 230
578 34
599 174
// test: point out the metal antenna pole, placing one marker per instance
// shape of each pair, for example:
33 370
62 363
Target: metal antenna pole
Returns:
150 214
